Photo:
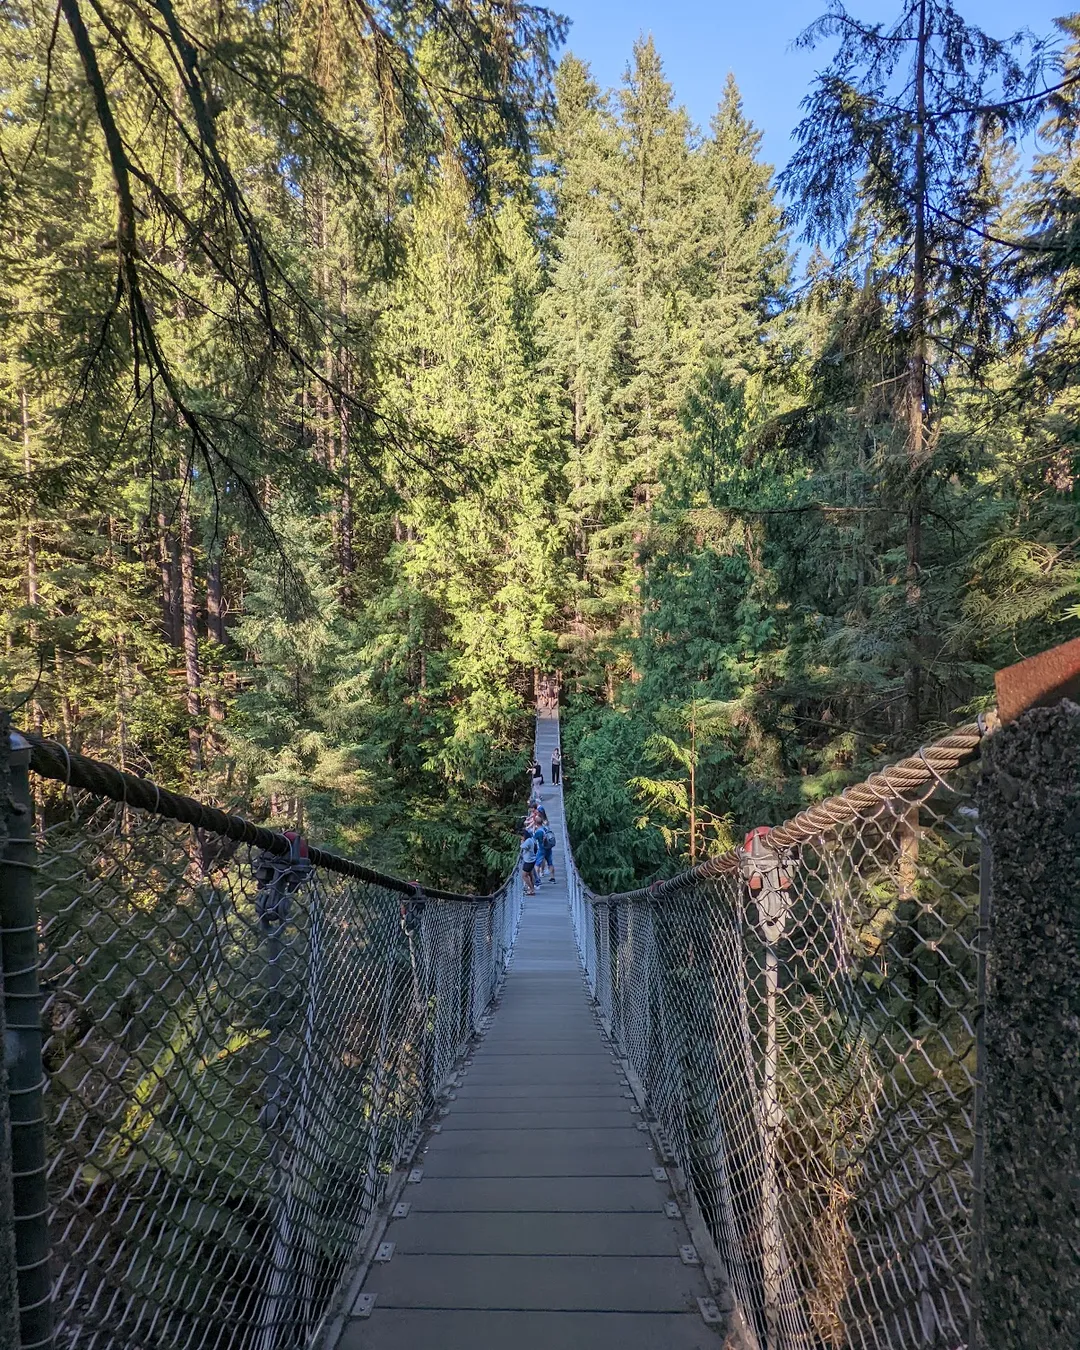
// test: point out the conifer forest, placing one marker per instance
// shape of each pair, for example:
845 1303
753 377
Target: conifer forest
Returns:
359 360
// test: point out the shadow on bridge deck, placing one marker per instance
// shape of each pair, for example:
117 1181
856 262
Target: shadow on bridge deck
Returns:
538 1222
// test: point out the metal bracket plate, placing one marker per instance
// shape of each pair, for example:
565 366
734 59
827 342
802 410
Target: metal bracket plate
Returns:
401 1210
672 1210
710 1313
416 1175
385 1252
688 1255
363 1305
660 1174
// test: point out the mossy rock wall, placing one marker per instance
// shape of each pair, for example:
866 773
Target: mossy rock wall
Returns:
1029 1280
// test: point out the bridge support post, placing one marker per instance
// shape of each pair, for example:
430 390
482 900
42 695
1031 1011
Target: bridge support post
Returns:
9 1290
603 963
1028 1244
767 873
277 879
584 923
22 1043
482 976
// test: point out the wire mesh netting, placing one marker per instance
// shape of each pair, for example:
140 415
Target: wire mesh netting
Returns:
804 1027
239 1048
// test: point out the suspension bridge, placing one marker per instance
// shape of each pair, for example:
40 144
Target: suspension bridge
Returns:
539 1219
263 1097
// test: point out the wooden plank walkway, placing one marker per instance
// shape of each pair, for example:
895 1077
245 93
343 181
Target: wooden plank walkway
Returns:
538 1223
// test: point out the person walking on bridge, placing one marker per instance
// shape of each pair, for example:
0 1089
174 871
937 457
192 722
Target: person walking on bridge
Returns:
538 870
556 766
545 839
528 861
545 692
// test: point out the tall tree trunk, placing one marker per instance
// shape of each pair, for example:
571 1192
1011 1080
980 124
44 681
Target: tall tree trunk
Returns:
332 402
344 459
123 694
190 624
123 668
917 398
167 564
693 783
346 553
67 709
215 627
33 599
33 593
215 607
324 406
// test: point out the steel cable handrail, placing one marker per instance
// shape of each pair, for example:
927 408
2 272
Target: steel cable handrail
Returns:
929 763
52 759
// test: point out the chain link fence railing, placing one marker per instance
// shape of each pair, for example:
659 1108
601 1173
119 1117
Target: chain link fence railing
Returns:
242 1040
803 1018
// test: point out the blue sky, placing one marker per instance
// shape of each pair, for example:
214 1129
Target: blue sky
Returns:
701 40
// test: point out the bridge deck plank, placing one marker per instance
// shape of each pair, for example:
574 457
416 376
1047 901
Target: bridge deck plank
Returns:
538 1222
453 1329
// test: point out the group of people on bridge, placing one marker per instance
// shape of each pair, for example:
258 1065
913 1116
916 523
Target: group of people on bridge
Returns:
547 692
536 774
537 836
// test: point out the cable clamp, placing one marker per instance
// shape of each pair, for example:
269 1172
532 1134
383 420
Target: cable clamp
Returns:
412 911
988 722
278 877
767 873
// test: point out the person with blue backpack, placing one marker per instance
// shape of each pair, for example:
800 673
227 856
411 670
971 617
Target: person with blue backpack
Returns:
545 844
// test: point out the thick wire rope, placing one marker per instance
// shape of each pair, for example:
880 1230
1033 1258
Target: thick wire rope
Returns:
929 763
51 759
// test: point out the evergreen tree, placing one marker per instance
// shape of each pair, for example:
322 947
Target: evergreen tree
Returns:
657 196
352 369
1050 262
745 268
583 325
891 164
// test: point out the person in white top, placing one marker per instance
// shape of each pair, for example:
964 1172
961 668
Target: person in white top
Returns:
528 861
